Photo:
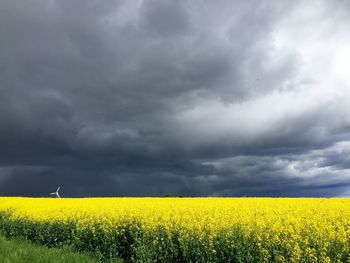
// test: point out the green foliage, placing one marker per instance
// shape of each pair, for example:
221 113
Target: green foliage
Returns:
117 243
17 251
158 246
135 244
57 234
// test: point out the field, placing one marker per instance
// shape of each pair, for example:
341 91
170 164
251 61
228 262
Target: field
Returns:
20 251
186 229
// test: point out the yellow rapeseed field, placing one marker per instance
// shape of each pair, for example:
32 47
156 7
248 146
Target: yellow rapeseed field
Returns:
188 229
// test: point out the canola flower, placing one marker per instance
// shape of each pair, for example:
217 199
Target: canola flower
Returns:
187 229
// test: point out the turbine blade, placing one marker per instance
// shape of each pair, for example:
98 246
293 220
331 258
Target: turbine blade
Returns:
58 188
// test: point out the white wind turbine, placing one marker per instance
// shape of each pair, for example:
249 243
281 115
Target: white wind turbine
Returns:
56 193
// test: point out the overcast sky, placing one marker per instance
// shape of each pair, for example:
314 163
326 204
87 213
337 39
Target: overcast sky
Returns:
193 98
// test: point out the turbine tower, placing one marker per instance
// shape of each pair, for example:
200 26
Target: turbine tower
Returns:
56 193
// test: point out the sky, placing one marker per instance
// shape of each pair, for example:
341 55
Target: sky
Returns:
188 98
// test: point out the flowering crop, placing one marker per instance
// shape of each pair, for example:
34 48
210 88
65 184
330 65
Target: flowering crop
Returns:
187 229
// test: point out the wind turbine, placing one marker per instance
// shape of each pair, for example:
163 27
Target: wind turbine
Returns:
56 193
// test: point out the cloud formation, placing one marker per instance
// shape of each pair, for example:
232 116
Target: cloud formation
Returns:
198 98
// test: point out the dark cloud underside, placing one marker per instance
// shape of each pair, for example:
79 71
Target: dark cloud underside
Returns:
193 98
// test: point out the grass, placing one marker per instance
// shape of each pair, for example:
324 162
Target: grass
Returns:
19 251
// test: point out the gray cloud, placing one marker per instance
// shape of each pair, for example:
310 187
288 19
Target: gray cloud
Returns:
190 98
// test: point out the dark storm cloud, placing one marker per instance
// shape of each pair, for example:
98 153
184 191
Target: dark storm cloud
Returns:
183 97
